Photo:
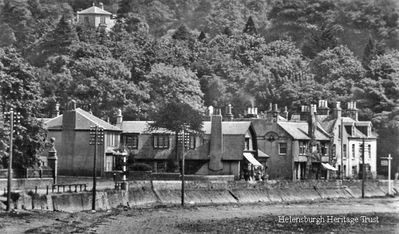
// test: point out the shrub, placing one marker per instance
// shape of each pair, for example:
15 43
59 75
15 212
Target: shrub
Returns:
140 167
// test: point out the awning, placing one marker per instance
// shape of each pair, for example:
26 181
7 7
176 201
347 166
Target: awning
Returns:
262 154
251 159
329 167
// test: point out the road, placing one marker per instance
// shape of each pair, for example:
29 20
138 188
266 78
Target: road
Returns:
381 215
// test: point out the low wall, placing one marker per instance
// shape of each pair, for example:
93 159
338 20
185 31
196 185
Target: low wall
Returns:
166 193
26 184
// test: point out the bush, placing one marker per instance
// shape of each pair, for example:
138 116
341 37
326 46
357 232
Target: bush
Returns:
140 167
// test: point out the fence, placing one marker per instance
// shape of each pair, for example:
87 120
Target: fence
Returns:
27 173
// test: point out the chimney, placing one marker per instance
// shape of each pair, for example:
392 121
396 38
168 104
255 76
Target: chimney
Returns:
312 122
352 111
229 114
323 108
101 5
210 111
285 113
337 111
275 113
119 117
56 110
216 142
69 116
304 113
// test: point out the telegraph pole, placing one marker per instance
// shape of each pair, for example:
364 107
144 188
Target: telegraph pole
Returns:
96 138
13 121
186 143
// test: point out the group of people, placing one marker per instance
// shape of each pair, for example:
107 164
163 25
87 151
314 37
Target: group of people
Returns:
254 173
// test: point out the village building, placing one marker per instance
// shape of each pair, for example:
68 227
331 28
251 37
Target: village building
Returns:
349 134
223 147
307 145
71 131
297 148
96 17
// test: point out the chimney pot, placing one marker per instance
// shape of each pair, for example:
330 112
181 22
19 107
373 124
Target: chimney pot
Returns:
210 110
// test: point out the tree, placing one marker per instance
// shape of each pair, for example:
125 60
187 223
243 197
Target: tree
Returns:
321 38
182 33
20 90
331 64
202 36
250 27
177 116
168 83
63 36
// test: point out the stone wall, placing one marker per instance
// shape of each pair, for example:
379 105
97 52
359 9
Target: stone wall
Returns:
167 193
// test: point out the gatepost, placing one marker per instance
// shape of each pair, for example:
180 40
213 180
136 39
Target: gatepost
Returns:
53 160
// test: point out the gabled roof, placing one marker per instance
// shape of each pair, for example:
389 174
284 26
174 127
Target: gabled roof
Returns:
93 10
229 127
299 131
84 120
140 127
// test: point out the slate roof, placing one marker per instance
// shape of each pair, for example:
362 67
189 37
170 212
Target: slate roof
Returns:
84 120
299 131
140 127
93 10
229 127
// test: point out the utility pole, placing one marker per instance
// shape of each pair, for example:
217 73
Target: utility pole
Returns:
13 121
96 138
363 167
182 169
389 158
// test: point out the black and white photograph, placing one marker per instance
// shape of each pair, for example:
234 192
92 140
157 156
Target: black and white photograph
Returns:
199 116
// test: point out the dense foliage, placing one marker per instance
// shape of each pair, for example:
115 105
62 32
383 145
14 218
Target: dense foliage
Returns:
205 52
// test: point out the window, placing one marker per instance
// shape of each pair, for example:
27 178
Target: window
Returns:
102 19
86 20
282 148
161 141
353 151
361 150
339 131
369 150
302 148
324 149
246 147
131 141
344 150
192 141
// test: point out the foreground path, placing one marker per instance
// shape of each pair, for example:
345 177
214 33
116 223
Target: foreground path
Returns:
256 218
165 220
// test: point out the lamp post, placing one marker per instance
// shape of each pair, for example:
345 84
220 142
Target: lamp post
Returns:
10 115
363 167
96 138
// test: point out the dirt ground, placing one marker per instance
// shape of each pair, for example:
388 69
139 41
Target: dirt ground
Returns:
340 216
